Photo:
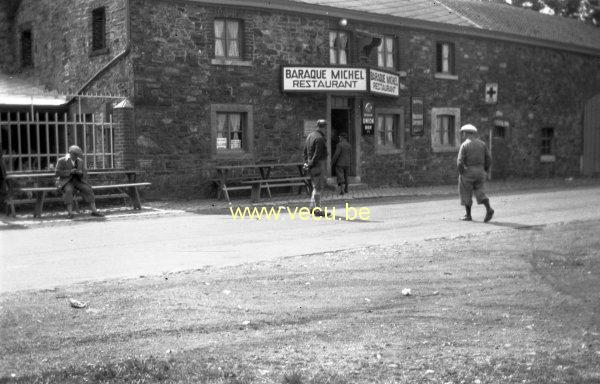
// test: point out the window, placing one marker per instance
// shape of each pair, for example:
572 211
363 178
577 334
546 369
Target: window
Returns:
26 49
445 135
389 130
445 58
98 29
499 131
227 39
338 48
232 129
385 52
547 141
229 130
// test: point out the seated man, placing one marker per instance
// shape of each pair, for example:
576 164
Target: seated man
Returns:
71 172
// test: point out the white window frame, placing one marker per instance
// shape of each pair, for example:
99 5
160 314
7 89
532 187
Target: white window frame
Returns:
384 55
247 145
435 130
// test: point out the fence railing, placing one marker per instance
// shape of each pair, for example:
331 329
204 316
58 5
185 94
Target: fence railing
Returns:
36 144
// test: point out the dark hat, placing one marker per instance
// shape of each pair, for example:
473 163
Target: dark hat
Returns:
344 135
321 123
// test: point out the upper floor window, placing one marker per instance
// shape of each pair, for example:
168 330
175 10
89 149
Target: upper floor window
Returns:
385 52
547 141
445 135
228 39
26 49
98 29
445 58
338 48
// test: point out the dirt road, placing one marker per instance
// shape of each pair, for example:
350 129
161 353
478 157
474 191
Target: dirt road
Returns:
44 256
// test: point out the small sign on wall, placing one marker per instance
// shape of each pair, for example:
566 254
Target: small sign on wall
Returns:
368 118
416 128
491 93
236 144
221 143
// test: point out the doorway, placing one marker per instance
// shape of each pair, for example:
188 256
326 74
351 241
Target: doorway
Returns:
341 122
591 137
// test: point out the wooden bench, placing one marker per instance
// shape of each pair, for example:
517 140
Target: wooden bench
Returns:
127 190
258 185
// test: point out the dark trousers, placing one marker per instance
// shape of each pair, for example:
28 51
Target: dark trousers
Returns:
85 190
342 176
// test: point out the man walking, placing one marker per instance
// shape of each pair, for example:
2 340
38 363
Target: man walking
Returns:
71 174
315 162
341 161
474 160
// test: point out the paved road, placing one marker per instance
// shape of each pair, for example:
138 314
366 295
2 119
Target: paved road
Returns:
45 256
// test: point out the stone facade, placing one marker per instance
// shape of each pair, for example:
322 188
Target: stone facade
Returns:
61 29
173 81
7 51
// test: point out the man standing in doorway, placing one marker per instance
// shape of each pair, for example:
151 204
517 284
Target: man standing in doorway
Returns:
315 162
341 162
71 174
474 161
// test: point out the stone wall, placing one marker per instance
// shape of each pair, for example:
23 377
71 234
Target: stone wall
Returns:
7 59
61 31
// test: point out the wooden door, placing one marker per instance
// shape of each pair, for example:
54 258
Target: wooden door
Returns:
591 137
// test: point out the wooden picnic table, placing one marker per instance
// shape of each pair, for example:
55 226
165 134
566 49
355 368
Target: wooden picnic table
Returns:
256 182
41 183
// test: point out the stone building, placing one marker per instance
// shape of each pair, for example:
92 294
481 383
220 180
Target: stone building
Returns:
234 82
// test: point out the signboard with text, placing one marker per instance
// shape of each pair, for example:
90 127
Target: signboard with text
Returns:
368 118
416 128
330 79
384 83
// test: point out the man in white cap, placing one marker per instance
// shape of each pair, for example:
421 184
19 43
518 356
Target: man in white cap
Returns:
71 174
474 160
315 161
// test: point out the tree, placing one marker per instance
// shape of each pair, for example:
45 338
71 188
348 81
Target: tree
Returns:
584 10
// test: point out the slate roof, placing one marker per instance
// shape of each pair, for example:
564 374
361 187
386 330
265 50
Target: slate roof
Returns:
17 90
480 15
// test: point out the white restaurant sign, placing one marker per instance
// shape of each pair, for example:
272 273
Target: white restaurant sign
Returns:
324 79
384 83
339 79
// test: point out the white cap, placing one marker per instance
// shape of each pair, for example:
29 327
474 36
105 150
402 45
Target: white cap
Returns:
468 128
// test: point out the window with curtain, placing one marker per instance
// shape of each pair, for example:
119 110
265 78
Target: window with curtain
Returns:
386 131
98 29
446 130
228 38
385 52
338 48
230 131
445 58
445 135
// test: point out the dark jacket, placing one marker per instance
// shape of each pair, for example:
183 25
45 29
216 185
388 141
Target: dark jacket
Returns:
342 155
473 153
315 148
64 168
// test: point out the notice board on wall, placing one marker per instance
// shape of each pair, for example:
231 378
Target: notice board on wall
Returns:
416 126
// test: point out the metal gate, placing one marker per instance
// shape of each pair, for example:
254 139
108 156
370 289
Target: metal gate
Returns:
591 137
34 143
